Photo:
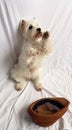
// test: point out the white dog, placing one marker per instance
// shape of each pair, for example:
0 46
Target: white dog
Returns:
36 45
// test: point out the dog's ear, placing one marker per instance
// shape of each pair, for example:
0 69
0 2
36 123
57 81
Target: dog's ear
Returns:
22 25
23 22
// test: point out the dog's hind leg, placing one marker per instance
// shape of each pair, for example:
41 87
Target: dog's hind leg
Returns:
37 79
18 78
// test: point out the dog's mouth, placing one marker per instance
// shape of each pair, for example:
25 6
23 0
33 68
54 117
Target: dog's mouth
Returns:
38 34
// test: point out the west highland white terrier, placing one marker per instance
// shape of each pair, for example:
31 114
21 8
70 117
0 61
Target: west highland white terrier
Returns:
36 45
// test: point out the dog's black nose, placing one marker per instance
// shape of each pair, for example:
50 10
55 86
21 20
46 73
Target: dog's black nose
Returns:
38 30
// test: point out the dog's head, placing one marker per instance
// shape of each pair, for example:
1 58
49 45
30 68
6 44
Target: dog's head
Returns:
33 33
30 29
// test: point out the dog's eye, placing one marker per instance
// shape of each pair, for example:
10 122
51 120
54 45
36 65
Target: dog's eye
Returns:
30 27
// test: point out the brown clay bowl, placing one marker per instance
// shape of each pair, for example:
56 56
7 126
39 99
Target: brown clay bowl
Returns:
44 112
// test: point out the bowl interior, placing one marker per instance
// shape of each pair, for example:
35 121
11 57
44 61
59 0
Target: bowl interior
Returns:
47 106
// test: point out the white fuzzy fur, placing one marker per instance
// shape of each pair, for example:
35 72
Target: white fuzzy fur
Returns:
32 54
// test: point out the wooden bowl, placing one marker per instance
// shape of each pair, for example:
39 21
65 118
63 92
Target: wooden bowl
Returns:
44 112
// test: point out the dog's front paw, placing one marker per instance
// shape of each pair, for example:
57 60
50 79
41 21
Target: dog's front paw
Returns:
46 35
